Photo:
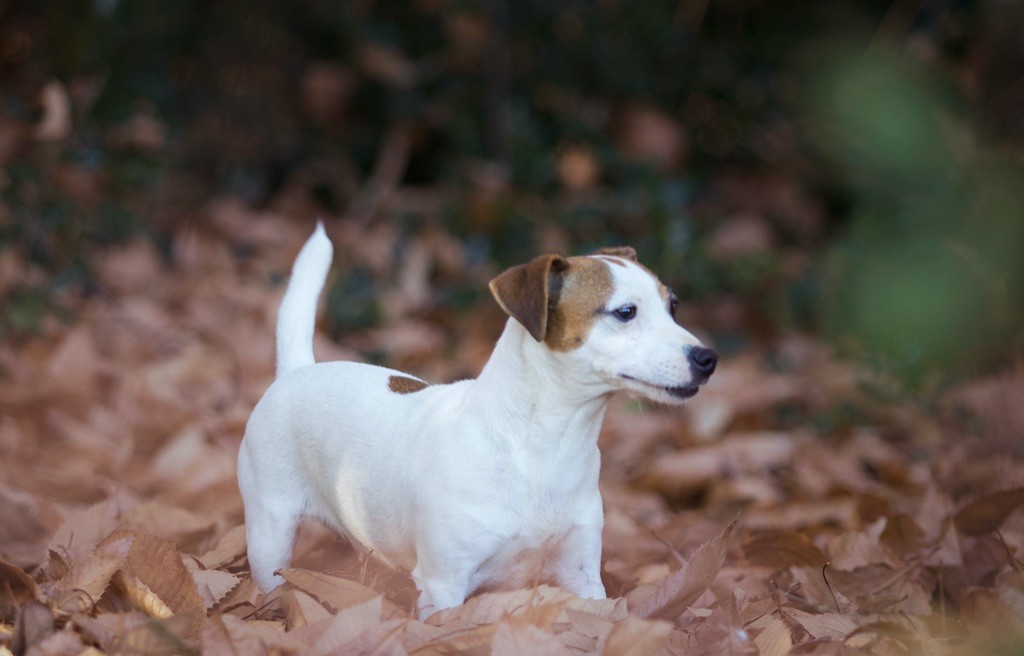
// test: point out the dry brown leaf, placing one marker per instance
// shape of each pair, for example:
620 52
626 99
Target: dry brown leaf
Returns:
61 643
347 626
586 633
106 628
157 566
226 634
517 639
384 638
141 597
782 550
471 642
829 626
246 593
610 609
213 585
669 598
301 610
1010 588
229 548
636 637
34 623
904 536
541 603
16 588
335 592
22 531
856 549
775 639
987 513
159 637
189 463
686 471
83 530
89 577
797 515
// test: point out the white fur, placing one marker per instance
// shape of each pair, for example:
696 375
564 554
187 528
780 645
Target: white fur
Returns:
479 483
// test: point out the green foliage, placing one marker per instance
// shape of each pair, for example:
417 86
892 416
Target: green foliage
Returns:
928 275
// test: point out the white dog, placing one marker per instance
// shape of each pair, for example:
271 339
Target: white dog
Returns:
481 483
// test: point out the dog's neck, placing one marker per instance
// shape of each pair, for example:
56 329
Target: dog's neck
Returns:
524 386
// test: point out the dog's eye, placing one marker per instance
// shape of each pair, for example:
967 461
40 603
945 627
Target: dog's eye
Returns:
673 305
625 313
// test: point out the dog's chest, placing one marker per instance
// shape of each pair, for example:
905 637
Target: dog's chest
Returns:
540 505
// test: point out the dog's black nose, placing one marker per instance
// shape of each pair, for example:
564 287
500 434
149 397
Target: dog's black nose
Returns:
703 361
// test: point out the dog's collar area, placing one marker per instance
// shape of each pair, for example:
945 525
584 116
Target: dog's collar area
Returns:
681 392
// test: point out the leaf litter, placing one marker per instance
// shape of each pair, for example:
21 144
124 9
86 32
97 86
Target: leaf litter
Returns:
730 528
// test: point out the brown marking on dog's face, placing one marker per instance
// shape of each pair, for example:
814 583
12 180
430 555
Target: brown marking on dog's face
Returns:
405 385
585 290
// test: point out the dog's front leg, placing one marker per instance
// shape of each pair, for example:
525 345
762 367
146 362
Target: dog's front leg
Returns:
578 564
439 591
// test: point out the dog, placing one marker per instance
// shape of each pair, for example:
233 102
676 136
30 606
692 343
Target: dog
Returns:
478 484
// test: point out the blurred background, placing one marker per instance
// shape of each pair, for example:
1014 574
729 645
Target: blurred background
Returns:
848 170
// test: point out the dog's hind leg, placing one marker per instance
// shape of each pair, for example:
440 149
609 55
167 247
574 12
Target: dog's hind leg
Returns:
270 524
270 530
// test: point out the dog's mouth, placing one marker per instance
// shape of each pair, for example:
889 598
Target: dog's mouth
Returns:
680 392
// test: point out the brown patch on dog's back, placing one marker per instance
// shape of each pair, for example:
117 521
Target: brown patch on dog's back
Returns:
586 288
405 384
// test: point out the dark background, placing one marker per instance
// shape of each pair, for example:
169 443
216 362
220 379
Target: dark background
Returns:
849 169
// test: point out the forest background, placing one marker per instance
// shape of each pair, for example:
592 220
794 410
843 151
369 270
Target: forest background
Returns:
835 190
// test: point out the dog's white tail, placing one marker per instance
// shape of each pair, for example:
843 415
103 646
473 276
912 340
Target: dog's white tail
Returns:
296 318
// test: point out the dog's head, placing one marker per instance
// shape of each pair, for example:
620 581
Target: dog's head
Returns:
610 320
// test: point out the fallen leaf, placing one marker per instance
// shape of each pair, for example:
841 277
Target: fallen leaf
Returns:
783 550
225 634
159 637
213 585
775 640
987 513
587 633
635 637
300 609
335 592
141 597
686 471
491 607
515 639
34 623
156 580
60 643
854 549
16 588
348 625
830 626
89 577
107 628
669 597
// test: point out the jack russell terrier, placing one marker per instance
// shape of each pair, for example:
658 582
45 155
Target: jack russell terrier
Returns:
477 484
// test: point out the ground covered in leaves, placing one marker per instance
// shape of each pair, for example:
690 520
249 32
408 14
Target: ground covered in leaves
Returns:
796 506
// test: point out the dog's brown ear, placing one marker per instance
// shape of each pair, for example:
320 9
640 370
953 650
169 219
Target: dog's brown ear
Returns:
528 291
627 252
